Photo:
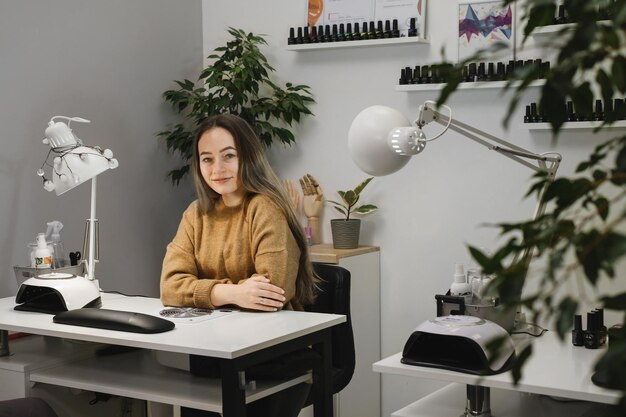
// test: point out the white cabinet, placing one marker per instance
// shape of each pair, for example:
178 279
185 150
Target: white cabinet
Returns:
361 398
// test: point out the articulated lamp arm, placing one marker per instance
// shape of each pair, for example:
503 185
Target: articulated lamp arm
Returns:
548 163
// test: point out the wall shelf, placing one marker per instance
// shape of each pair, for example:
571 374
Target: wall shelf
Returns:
354 44
620 124
464 86
550 29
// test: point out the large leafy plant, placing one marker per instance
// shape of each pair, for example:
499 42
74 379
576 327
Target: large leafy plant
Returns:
580 237
237 81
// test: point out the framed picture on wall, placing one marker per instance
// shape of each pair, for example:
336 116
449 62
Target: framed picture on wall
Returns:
482 24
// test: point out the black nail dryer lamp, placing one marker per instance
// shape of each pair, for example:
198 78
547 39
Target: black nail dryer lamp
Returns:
459 343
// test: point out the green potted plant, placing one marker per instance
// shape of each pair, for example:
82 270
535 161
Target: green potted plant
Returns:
237 81
346 231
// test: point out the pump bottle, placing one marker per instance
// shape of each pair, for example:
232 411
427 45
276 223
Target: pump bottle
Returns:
43 256
58 254
460 287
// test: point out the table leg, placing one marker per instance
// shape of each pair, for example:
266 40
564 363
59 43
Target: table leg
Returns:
4 343
478 401
233 397
322 378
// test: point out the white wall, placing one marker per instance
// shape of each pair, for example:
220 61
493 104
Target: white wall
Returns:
108 62
436 205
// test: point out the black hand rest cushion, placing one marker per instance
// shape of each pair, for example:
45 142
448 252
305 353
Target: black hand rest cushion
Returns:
125 321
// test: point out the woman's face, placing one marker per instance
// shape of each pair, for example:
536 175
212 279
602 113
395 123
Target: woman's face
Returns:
219 165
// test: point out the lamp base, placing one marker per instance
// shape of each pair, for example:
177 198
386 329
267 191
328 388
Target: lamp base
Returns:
54 295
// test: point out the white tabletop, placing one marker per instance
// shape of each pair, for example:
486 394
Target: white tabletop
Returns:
229 336
555 368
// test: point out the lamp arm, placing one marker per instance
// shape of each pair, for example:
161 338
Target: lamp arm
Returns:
548 163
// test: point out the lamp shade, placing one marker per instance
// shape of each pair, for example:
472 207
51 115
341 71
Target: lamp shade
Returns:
368 140
74 162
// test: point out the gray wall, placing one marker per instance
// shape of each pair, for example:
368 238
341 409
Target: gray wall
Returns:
107 61
440 202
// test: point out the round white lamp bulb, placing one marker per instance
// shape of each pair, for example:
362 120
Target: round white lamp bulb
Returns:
113 163
367 140
48 185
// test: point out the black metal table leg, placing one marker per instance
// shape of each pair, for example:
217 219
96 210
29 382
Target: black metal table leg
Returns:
322 378
233 397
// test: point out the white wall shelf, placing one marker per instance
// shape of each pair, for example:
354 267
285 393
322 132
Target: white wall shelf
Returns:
620 124
353 44
464 86
551 29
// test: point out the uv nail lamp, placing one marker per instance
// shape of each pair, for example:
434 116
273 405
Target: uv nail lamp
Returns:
54 293
459 343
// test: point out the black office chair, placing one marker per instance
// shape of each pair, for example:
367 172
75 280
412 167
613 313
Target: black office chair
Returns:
334 297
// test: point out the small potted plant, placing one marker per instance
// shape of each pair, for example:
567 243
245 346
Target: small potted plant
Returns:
346 231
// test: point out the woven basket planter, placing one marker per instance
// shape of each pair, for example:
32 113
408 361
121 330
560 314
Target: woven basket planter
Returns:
345 233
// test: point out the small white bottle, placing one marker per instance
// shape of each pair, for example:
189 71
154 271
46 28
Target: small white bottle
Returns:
460 287
43 256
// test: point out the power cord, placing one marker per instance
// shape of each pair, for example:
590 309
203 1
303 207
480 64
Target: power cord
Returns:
531 329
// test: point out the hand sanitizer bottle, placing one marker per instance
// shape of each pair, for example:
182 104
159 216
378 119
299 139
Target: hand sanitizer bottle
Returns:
43 256
58 254
460 287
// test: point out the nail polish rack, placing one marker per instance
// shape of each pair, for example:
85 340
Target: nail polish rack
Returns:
475 75
349 36
534 118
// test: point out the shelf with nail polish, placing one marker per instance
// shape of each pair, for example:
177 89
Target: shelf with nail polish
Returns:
350 36
563 22
534 118
474 76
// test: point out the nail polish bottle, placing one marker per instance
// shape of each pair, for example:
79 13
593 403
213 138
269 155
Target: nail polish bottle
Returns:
412 28
395 33
471 72
591 334
320 34
349 34
545 69
291 40
314 34
500 71
510 70
356 35
342 33
490 72
327 36
299 37
334 37
581 114
371 32
571 115
608 110
402 80
578 338
560 18
426 76
527 116
380 33
602 330
387 32
417 75
364 32
409 74
534 116
598 113
435 75
464 74
618 109
306 38
537 65
480 74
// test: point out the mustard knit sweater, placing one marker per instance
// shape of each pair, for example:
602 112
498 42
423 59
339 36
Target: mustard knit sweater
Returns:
228 245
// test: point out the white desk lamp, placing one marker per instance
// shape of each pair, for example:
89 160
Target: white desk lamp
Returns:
73 164
381 141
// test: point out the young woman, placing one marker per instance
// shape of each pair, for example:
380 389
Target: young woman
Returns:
240 243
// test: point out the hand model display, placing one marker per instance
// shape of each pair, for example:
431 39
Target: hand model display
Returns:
313 204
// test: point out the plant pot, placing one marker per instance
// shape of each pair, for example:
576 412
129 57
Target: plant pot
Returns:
345 233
